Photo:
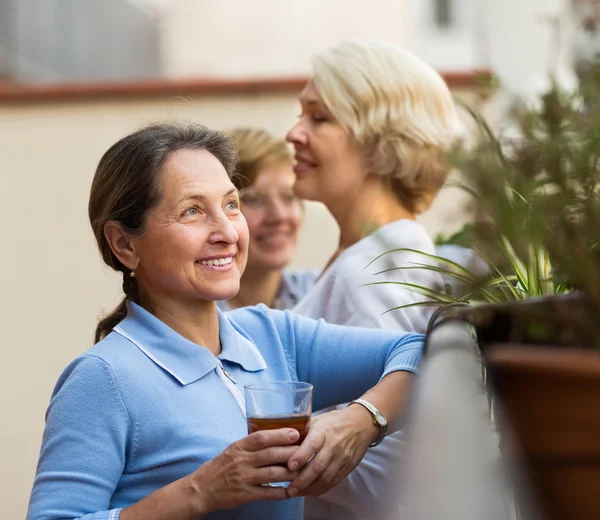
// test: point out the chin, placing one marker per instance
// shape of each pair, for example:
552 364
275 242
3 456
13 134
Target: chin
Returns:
306 190
268 263
225 292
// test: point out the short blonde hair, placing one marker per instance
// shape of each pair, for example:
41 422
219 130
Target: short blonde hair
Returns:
398 108
257 148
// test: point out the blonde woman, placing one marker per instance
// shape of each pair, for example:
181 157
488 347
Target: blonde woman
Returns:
265 179
370 143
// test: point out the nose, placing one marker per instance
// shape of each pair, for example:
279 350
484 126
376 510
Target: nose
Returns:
297 134
224 230
276 210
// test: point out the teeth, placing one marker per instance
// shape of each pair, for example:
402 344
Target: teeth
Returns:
217 261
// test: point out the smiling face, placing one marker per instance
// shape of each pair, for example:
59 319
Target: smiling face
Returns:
274 216
329 162
196 242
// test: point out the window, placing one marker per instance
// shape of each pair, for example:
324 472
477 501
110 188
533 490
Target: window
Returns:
442 13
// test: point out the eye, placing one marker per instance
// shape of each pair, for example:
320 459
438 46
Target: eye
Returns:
253 199
288 198
191 212
232 205
319 119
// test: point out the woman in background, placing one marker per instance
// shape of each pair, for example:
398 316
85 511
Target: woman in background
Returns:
265 179
371 141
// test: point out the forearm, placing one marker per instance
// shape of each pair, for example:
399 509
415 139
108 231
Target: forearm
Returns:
180 500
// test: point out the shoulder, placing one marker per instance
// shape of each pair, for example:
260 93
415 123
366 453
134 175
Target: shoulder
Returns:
87 382
260 323
117 351
257 322
401 237
375 276
464 256
112 358
301 280
294 286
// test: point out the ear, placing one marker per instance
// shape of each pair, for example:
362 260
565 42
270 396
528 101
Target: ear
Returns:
121 244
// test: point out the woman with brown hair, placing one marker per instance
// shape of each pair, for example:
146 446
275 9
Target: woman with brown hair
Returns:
150 422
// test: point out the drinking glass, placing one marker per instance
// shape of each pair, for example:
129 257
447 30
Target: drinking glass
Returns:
279 404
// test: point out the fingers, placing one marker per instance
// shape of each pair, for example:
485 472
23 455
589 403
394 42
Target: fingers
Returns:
270 493
312 444
269 474
265 438
315 468
273 455
328 479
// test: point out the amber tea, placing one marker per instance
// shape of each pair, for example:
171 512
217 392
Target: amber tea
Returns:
279 404
299 422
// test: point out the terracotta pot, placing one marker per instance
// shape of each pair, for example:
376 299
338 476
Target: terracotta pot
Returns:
551 398
543 361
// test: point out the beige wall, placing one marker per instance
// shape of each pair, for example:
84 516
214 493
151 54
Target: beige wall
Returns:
238 38
54 285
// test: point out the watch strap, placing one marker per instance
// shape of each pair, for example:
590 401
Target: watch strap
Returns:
375 413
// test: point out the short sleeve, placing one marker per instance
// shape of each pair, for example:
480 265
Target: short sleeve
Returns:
84 447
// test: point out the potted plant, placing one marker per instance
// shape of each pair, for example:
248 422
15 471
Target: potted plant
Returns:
537 311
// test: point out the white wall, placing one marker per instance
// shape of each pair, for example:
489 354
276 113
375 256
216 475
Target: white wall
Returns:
240 38
516 39
526 41
456 47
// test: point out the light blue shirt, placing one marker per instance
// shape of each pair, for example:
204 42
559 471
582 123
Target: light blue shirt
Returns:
145 406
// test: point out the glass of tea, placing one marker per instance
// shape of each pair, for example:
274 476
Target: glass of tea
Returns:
279 404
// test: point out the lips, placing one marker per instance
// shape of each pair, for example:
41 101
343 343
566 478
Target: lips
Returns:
274 240
303 164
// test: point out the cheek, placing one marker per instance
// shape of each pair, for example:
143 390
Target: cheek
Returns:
295 220
241 227
254 223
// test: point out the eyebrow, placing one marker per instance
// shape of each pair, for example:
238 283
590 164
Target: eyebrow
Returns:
200 197
310 102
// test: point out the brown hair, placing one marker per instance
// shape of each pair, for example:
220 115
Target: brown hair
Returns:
257 148
124 188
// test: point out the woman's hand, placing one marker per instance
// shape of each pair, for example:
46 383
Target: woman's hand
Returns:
337 442
235 477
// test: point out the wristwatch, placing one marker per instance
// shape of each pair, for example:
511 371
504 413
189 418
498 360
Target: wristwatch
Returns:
379 420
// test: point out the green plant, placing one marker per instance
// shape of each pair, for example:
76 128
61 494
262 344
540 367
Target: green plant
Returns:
517 280
538 191
463 237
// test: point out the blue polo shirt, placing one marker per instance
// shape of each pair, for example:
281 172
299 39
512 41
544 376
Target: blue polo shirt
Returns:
145 406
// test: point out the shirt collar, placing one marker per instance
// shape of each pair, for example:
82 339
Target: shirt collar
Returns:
184 360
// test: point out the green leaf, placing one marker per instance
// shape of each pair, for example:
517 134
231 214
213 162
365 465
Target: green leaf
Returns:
425 291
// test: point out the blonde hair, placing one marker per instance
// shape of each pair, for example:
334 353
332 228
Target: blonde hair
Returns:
257 148
399 109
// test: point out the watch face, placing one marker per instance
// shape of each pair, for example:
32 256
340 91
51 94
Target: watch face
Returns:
381 420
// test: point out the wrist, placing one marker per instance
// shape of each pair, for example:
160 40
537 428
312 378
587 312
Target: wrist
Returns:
379 420
363 418
195 492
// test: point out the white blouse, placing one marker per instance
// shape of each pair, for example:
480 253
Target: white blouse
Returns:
341 295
